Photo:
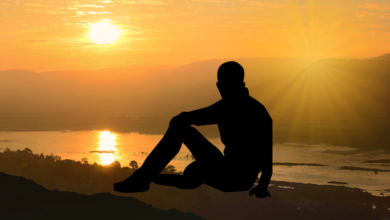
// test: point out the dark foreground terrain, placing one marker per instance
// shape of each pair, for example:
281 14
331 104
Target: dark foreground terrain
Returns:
287 201
24 199
64 189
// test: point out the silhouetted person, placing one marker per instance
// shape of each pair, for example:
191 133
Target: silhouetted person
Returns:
246 131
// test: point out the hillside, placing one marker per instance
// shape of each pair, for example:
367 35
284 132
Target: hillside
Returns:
382 57
24 199
288 200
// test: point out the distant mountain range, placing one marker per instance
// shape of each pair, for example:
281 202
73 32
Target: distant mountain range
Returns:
382 57
337 101
24 199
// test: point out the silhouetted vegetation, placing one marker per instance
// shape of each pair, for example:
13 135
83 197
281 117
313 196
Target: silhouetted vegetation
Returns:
297 201
133 164
53 172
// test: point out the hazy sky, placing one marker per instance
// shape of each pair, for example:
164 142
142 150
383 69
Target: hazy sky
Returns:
42 35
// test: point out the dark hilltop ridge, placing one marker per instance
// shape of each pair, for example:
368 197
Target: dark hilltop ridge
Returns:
24 199
86 190
288 201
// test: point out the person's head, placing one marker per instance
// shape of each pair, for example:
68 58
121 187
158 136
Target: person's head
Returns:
230 79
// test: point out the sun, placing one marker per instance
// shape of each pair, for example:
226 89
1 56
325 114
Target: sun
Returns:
103 33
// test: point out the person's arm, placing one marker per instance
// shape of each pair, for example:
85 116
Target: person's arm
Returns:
204 116
266 173
261 191
265 177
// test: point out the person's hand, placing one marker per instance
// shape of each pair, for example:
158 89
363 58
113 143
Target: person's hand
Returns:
259 193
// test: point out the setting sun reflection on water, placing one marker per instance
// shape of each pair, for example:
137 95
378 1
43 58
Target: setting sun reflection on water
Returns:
107 147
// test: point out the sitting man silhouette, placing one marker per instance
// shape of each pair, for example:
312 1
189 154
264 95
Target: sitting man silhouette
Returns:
245 129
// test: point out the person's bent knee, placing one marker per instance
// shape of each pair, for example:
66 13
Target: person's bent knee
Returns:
178 123
174 123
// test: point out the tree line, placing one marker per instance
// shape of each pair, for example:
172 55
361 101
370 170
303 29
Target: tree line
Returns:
53 172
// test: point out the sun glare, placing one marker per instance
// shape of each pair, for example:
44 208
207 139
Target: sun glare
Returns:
107 147
103 33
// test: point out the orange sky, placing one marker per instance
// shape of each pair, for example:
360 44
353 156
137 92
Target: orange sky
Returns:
43 35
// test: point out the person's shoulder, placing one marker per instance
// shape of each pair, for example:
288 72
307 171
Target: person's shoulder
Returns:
255 102
257 107
219 103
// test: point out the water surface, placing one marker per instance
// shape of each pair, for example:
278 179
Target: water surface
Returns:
105 147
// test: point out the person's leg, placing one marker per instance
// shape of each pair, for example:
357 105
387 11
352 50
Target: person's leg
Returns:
164 152
207 157
201 148
156 161
170 145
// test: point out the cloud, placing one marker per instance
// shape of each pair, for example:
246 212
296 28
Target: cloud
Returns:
85 44
361 14
103 151
375 6
46 11
96 12
68 8
39 41
385 16
91 6
34 5
272 5
17 21
80 13
143 2
212 1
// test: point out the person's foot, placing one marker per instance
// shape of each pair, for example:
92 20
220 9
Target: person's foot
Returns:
179 181
259 193
132 184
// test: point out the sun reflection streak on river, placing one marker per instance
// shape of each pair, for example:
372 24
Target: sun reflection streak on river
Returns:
107 146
